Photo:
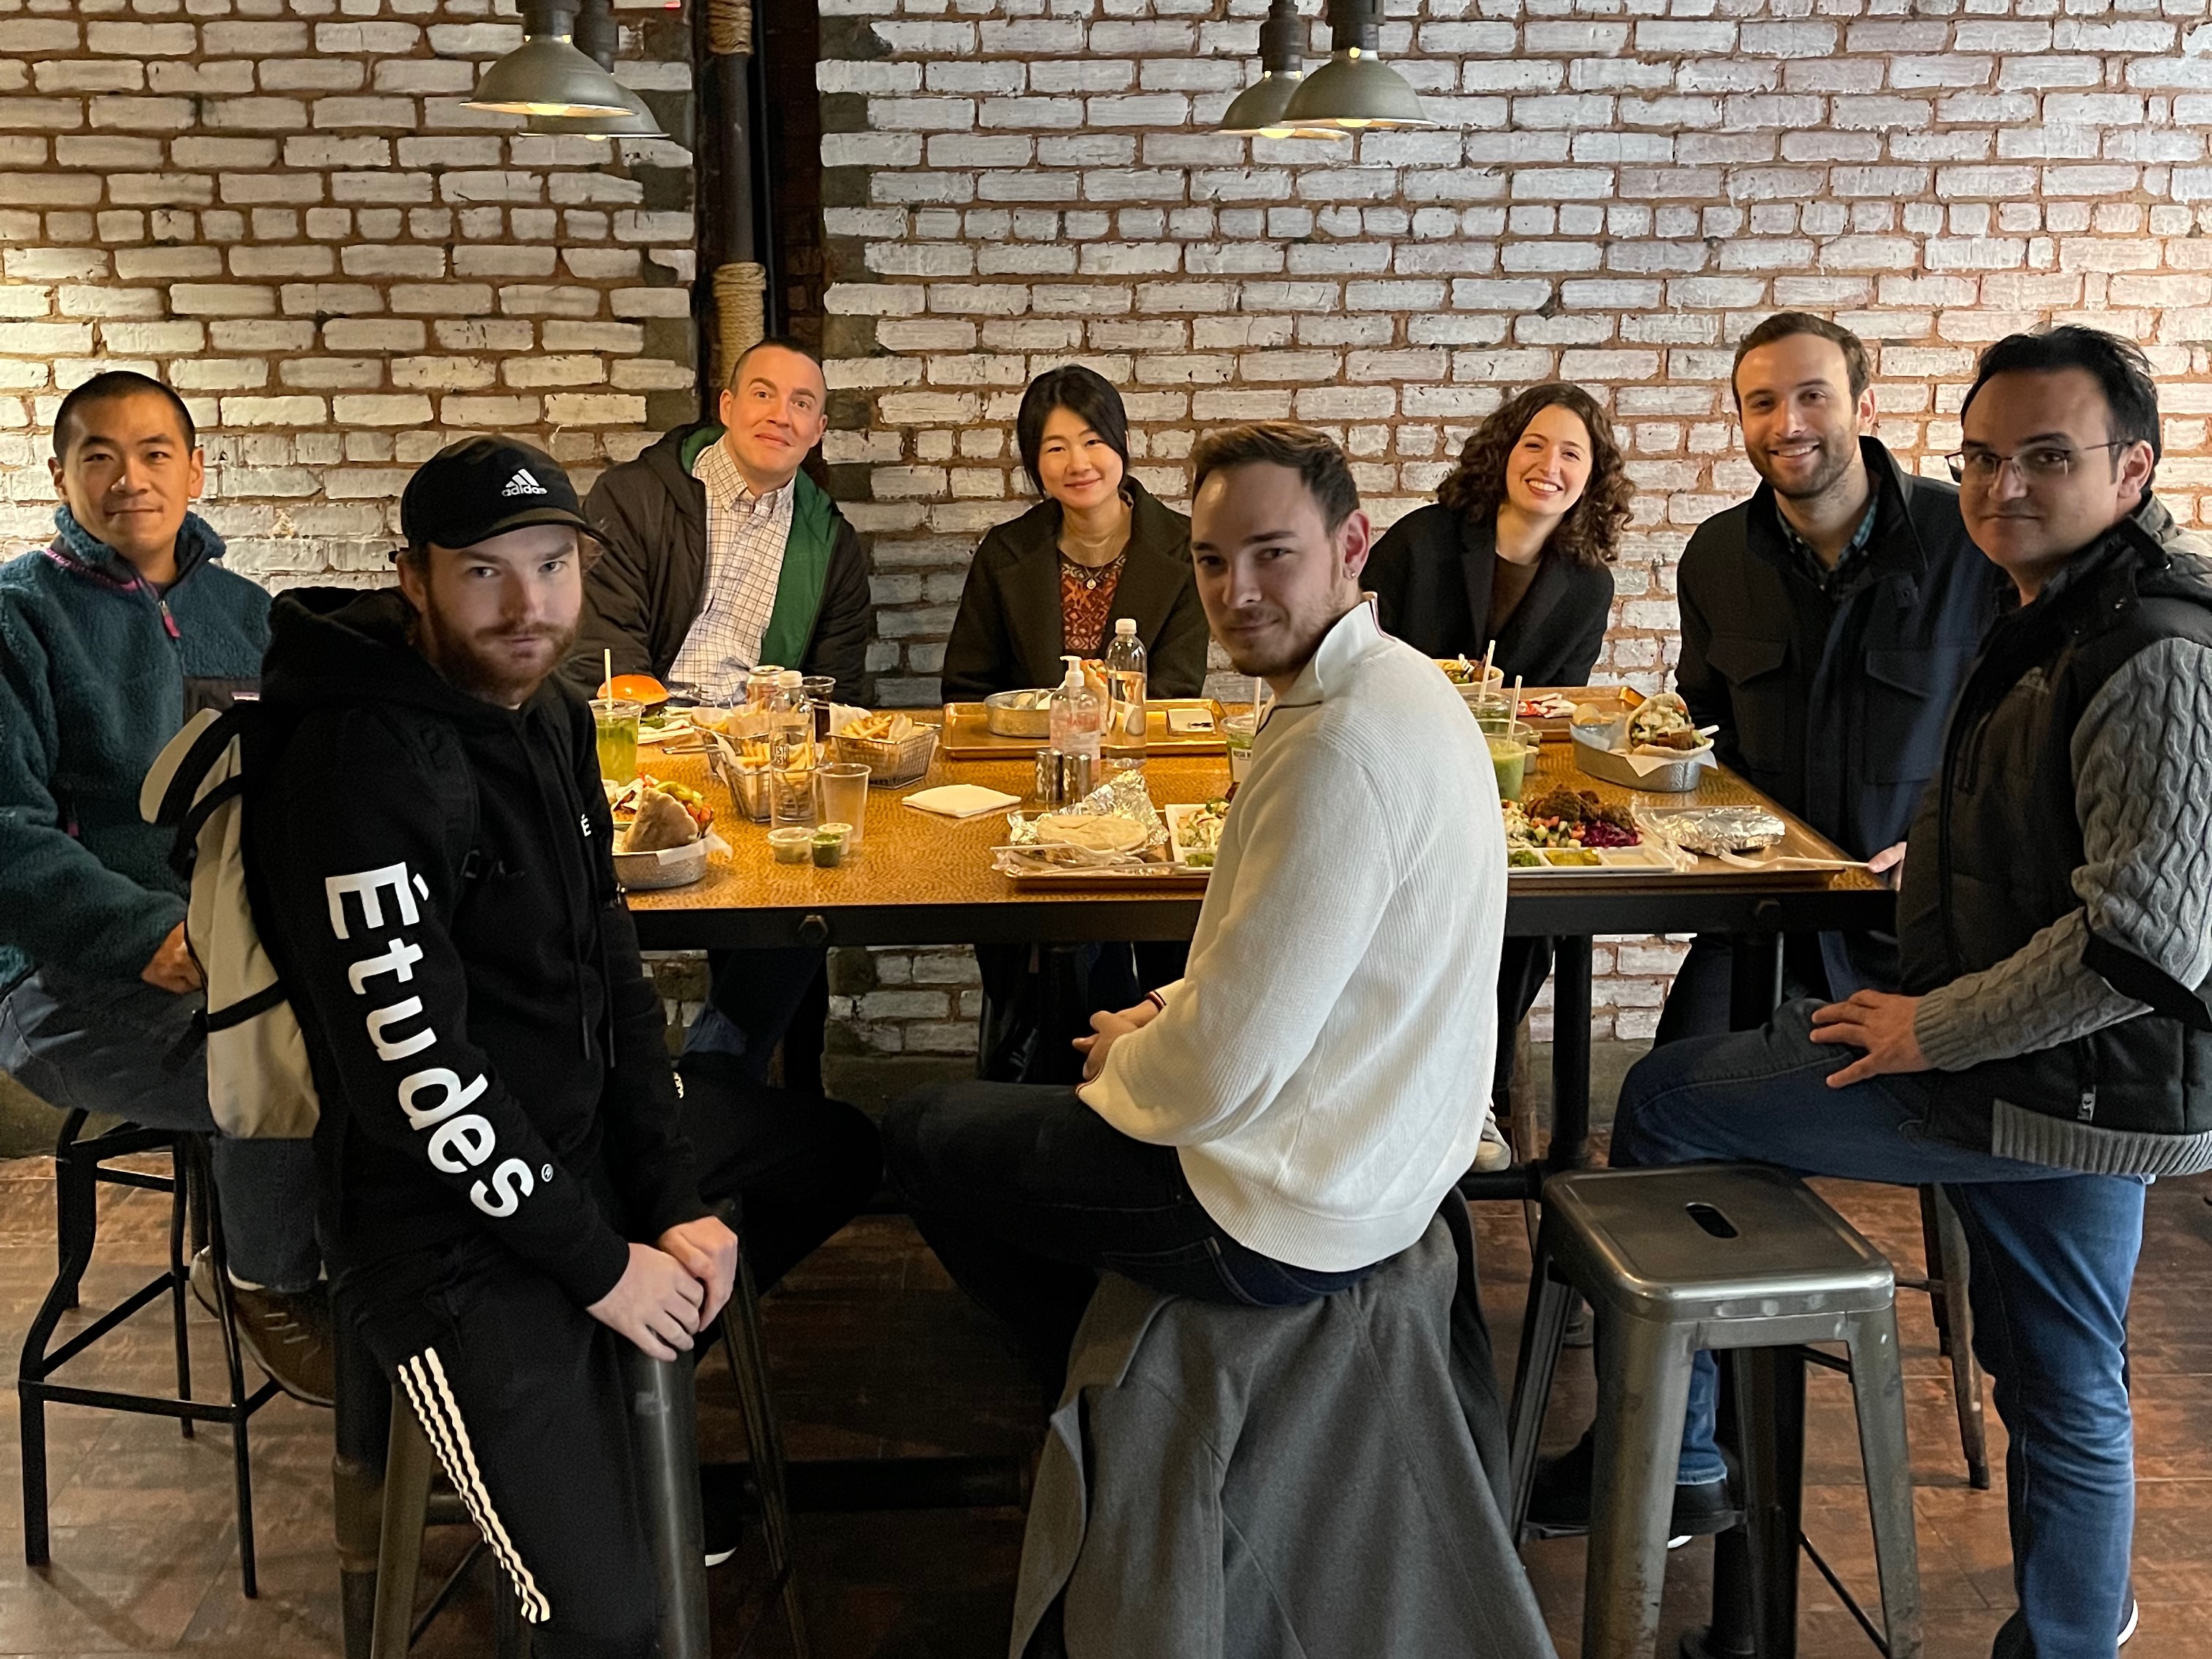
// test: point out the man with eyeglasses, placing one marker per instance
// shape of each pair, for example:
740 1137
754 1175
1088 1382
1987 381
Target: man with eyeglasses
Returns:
1827 624
2052 1050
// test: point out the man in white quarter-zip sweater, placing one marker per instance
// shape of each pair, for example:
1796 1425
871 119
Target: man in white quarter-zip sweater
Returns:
1268 1128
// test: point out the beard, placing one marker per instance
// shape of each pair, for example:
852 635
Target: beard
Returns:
1838 447
474 663
1286 638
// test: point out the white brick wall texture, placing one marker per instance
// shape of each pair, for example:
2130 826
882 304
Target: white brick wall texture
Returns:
1621 190
283 207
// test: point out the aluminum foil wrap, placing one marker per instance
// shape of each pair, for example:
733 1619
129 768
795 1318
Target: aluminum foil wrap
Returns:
1717 830
1123 795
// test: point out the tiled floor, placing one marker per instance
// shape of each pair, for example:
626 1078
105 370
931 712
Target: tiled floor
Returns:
876 1352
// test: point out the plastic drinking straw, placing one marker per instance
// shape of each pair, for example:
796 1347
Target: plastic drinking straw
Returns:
1486 657
609 657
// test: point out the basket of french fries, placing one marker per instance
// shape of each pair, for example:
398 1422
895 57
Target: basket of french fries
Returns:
741 762
896 748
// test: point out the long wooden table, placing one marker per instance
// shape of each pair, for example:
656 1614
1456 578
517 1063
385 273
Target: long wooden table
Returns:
922 879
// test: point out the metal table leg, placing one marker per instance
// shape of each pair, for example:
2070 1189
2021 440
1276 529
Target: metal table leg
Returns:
1754 992
1570 1054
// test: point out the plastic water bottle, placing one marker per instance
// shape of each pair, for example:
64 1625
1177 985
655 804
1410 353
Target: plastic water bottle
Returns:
1077 721
1125 697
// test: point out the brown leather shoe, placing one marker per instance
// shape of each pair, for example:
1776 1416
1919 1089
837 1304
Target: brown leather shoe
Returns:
287 1331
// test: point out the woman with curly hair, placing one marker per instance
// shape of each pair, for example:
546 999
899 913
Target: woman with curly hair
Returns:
1515 551
1516 548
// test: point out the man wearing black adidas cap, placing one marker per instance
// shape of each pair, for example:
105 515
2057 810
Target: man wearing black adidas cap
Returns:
513 1176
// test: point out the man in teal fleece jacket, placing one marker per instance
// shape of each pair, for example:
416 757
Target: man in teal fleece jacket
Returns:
110 639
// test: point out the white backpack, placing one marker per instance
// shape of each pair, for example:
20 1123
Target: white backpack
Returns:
259 1084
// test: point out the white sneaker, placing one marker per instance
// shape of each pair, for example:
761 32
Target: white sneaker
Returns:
1492 1154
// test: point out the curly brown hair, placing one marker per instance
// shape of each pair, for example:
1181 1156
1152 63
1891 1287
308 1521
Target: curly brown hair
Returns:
1590 533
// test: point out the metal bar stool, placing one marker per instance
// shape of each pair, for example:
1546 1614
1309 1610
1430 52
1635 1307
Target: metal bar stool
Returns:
1945 1282
80 1169
1705 1256
741 1335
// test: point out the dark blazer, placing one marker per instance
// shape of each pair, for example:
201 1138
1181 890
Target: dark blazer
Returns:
1431 573
1834 703
643 594
1007 635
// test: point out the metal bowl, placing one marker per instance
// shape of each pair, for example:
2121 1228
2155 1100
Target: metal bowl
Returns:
680 867
1675 778
1005 720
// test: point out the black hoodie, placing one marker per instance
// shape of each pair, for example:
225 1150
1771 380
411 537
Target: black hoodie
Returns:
432 873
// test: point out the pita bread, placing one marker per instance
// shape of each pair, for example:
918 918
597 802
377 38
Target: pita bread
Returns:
1091 832
661 823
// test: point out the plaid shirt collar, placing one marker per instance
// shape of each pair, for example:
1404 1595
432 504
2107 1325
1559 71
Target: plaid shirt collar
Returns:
1848 562
716 470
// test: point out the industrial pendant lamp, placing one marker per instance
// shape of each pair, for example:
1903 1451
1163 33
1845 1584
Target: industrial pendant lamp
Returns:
596 37
640 122
547 75
1355 89
1258 111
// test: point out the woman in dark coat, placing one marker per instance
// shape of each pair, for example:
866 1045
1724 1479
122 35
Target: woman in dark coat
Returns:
1515 551
1097 547
1517 546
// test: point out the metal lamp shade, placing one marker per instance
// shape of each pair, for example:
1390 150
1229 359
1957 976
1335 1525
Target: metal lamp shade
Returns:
547 75
1355 90
639 123
1258 111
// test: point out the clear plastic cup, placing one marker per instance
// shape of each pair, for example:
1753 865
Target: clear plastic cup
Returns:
1236 733
821 690
1509 749
615 722
844 790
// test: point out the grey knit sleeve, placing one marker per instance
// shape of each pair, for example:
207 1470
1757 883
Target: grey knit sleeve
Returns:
2143 786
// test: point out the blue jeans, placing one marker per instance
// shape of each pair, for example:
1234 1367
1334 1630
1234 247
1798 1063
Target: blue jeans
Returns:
2054 1254
1026 1194
103 1045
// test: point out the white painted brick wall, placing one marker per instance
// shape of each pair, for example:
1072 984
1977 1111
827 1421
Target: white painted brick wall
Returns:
1621 196
283 207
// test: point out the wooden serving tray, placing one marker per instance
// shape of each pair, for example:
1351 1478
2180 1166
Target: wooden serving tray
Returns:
1149 875
967 736
1558 728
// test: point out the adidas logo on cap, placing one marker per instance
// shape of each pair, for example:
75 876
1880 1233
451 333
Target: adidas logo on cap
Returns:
522 484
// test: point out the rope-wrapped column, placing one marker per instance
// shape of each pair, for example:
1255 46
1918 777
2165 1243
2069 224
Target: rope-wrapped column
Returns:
740 313
729 28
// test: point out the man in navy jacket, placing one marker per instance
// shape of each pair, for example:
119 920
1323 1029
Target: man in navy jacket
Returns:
1828 624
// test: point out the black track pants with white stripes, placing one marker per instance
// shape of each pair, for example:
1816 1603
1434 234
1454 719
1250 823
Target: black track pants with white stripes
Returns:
521 1390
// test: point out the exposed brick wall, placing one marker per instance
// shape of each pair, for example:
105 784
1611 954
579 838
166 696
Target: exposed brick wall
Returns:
282 208
1623 189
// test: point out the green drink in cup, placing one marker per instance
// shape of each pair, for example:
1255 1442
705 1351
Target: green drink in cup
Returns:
616 721
1508 757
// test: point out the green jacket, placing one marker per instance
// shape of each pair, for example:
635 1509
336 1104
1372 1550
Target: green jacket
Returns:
643 594
98 670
